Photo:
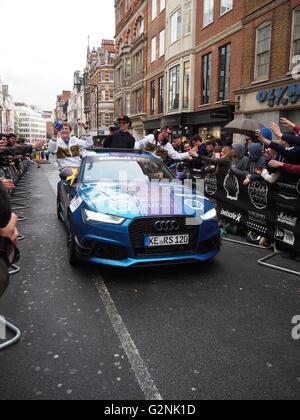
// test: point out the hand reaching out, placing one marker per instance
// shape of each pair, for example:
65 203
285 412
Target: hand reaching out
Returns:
276 130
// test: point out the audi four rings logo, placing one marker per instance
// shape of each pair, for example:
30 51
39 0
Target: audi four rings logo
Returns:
166 226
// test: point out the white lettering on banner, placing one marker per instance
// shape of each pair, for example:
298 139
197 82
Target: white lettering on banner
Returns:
231 215
211 184
258 193
232 187
285 236
287 220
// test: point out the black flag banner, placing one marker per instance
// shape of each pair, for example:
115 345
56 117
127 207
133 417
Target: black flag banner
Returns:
272 210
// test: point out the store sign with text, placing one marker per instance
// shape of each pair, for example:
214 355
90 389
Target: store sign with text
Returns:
281 96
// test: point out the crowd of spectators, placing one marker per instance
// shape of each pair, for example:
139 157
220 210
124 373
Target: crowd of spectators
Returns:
15 155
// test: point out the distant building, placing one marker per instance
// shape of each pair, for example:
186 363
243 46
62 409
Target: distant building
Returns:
99 85
76 115
61 109
7 110
31 123
49 117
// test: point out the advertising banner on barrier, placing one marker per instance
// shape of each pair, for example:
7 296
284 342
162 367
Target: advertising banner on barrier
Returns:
272 210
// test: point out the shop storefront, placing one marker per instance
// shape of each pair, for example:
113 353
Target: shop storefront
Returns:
152 125
209 123
270 103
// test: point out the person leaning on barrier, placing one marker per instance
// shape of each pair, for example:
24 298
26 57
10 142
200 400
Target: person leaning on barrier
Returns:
240 162
288 150
257 163
8 236
220 162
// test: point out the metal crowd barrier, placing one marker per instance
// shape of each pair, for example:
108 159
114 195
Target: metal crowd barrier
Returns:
19 198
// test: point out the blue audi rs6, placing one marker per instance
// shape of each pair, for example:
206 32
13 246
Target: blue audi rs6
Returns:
126 209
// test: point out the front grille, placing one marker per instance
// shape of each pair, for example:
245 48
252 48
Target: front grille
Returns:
140 228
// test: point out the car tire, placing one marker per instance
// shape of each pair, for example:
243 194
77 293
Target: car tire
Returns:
73 260
58 211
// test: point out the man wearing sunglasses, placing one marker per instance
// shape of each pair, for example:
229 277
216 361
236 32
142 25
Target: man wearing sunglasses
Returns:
121 139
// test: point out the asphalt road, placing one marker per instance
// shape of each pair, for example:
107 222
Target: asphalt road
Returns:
220 330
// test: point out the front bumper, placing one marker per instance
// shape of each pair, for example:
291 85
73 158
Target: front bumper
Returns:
114 246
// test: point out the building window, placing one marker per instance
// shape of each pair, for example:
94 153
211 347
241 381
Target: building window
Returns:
175 26
188 18
263 47
127 104
111 119
186 84
208 12
140 27
154 9
162 5
174 88
224 72
153 50
162 43
161 100
152 107
226 5
296 33
206 78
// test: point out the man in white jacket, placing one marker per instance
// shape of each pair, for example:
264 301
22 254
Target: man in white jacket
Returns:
68 149
162 141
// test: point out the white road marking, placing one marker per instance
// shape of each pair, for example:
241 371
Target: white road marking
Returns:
138 365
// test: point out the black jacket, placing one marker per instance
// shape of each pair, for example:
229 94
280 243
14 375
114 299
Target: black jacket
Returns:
291 154
120 140
5 207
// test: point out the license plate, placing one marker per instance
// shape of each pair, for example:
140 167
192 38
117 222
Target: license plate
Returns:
175 240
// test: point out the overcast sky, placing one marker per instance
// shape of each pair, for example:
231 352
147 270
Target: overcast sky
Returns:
42 44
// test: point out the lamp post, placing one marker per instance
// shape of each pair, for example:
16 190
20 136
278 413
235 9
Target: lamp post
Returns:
1 109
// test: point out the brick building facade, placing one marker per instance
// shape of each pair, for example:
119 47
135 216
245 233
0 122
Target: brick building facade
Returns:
131 62
222 58
155 74
271 56
218 65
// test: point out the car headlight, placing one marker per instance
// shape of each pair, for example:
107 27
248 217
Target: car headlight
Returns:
210 215
102 218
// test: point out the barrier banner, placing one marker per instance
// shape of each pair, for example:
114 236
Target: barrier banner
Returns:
272 210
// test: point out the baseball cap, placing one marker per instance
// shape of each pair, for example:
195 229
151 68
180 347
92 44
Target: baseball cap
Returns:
125 119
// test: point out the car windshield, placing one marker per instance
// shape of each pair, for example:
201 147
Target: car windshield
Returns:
131 168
